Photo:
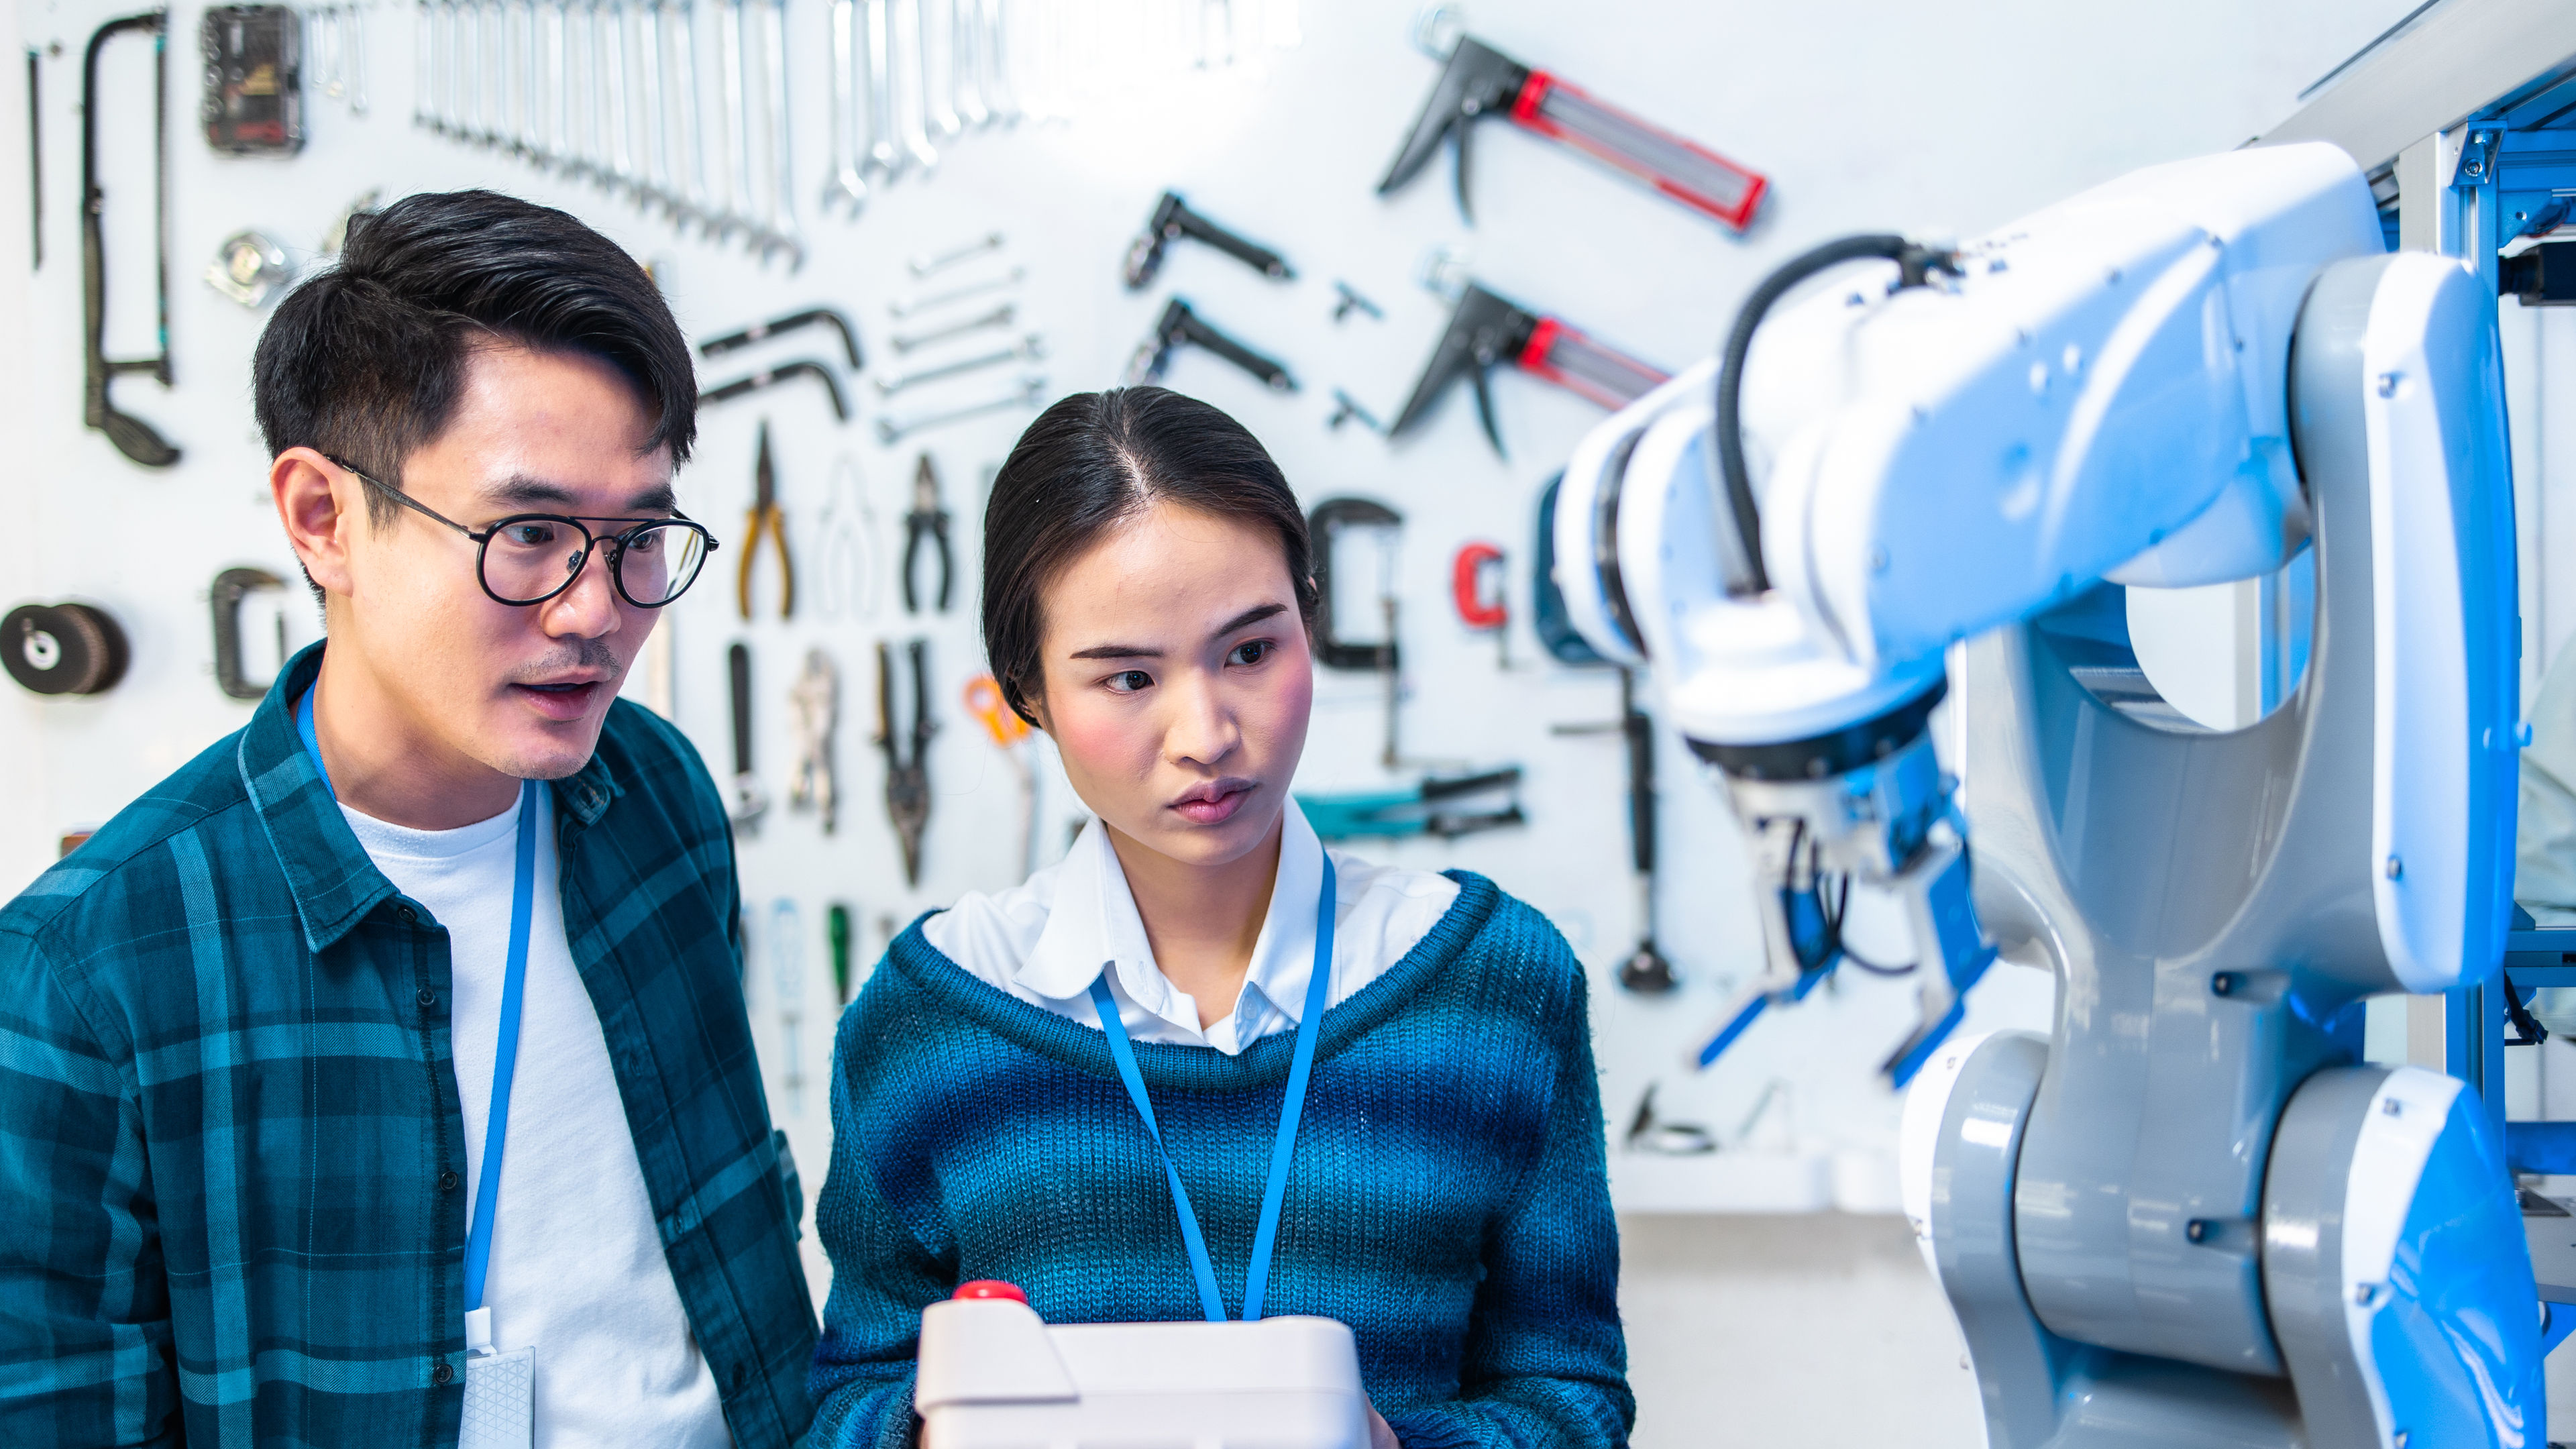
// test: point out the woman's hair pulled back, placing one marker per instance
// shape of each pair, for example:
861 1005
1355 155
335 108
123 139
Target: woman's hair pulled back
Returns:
1094 461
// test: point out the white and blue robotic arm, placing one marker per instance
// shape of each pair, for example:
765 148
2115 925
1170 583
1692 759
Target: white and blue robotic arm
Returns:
1947 441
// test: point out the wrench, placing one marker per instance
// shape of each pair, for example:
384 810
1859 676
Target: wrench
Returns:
938 82
908 306
998 317
1031 348
877 34
732 76
782 230
355 54
1031 388
923 266
914 70
689 113
965 62
998 92
424 89
653 146
844 185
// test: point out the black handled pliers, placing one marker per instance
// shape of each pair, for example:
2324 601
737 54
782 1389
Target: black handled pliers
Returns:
926 518
907 783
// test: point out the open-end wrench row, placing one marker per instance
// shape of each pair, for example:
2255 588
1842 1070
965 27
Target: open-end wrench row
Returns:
907 74
612 91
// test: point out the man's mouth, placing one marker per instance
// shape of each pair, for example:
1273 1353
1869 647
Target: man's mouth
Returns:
1214 802
563 699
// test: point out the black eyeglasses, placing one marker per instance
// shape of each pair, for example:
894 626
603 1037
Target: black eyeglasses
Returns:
528 558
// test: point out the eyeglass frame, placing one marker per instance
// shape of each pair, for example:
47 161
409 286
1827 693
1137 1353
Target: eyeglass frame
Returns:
483 543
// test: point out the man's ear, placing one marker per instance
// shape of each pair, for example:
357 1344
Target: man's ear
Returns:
318 504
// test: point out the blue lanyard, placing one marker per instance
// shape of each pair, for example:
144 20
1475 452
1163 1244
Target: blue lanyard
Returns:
1256 1274
505 1060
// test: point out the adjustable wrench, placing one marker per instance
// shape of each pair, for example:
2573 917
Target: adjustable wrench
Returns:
844 185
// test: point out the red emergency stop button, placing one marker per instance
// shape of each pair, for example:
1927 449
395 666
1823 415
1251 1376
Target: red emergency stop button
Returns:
990 1288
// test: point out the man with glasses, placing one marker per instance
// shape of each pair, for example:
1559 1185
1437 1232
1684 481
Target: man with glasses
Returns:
383 1075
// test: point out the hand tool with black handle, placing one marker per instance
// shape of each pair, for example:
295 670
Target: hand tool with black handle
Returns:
1173 220
767 521
1486 330
759 332
132 436
928 519
1481 81
771 377
750 801
907 787
1179 327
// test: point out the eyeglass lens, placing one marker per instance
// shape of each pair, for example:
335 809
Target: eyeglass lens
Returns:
530 559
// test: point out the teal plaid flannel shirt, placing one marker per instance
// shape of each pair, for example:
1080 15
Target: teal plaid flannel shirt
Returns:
231 1153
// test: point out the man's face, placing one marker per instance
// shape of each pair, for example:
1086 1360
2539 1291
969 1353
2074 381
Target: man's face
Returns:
522 689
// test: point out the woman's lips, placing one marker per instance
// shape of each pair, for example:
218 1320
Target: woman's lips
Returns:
1218 810
563 702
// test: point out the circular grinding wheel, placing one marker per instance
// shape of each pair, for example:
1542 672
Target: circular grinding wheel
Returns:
62 648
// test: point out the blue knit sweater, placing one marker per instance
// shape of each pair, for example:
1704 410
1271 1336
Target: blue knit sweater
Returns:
1447 1200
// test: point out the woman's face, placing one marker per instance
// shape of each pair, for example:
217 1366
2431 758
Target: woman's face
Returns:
1178 680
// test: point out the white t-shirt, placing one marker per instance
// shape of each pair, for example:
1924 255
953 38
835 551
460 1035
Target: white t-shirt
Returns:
1045 942
577 1268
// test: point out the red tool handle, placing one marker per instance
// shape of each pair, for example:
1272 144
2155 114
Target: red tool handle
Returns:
1690 174
1573 361
1467 573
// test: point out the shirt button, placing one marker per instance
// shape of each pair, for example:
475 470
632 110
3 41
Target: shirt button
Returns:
428 997
447 1182
407 916
443 1374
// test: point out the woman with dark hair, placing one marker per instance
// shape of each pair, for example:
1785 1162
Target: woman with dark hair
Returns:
1204 1066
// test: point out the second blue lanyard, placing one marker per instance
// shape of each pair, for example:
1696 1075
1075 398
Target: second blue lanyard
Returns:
1256 1275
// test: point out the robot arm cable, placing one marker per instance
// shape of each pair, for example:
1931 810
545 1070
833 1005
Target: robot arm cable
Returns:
1914 261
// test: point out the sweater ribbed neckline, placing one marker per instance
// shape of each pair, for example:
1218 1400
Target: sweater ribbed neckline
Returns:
1176 1065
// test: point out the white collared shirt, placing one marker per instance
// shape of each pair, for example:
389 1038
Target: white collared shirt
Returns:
1046 941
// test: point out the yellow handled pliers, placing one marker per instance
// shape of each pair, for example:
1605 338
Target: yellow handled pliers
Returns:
766 519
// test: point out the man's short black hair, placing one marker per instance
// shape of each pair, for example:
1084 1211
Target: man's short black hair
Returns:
364 362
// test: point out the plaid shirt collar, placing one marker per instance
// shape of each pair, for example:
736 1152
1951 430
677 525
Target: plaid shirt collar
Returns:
328 872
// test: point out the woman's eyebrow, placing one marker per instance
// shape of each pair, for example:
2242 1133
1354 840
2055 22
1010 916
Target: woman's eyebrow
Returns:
1244 620
1248 618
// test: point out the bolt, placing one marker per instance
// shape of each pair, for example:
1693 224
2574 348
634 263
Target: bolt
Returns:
2225 984
2198 1230
2396 868
1878 560
2362 1293
2392 1107
2388 384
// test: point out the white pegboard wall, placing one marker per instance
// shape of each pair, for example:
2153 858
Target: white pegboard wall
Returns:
1888 115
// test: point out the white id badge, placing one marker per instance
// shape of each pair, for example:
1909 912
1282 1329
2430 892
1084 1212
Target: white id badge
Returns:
500 1400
